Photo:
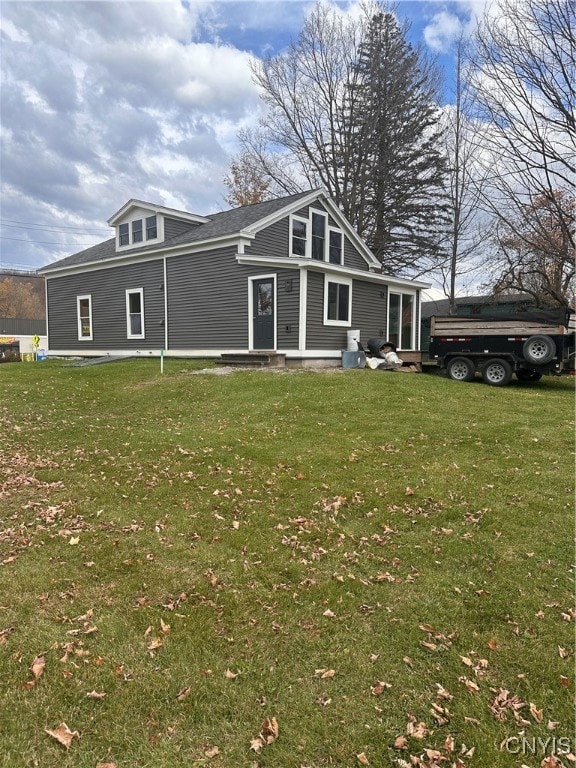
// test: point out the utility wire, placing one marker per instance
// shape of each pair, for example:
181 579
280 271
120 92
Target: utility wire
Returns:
45 242
35 225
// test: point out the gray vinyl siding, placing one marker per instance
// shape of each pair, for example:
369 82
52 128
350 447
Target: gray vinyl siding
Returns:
208 301
173 227
287 309
108 290
368 314
272 241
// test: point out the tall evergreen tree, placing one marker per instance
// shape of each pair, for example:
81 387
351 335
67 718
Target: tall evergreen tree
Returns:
397 140
350 106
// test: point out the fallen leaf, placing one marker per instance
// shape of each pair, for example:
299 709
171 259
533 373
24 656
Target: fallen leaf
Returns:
212 752
229 675
362 759
95 695
379 687
536 713
268 735
63 735
38 666
183 694
324 674
400 742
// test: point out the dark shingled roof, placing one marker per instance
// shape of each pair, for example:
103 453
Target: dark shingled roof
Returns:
220 224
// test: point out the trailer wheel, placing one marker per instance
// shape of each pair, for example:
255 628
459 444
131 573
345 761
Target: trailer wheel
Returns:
497 372
528 374
461 369
539 349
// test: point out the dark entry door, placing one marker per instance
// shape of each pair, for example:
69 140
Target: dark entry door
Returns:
263 313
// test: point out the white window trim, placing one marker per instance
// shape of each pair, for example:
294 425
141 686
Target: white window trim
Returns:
81 337
308 241
324 216
327 229
339 281
271 276
130 335
414 296
341 233
144 242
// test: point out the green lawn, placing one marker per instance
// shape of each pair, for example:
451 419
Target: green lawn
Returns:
284 569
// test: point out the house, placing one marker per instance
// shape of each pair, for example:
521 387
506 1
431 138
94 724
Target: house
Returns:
467 306
288 275
22 314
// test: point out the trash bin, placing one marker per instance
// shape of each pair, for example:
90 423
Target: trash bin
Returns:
353 337
351 359
41 354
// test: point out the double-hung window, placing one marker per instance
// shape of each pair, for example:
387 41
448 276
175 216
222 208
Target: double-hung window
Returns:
313 238
335 247
137 236
318 236
151 228
298 236
135 313
337 301
124 234
401 319
84 317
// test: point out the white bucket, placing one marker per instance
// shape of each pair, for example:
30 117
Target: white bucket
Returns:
353 339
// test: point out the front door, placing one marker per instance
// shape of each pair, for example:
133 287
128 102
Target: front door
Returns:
263 313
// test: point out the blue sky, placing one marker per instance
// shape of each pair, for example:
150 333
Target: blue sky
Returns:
106 101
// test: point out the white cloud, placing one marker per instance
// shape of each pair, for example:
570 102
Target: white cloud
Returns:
444 28
106 101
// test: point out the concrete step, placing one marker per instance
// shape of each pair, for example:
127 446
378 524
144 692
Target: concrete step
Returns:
254 359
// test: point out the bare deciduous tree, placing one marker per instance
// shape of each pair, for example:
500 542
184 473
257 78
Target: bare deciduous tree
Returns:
524 88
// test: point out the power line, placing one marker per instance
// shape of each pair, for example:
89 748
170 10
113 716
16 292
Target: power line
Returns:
34 225
54 231
43 242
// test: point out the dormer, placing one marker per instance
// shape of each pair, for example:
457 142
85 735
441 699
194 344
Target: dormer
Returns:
139 224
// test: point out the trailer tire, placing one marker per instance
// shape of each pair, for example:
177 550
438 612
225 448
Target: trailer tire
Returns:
528 375
539 350
461 369
497 372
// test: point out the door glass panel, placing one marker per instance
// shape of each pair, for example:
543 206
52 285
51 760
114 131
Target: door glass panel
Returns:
264 306
394 319
407 324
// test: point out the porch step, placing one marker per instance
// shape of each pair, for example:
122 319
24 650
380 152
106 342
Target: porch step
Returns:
255 359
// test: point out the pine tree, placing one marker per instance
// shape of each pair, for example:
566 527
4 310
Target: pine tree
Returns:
401 207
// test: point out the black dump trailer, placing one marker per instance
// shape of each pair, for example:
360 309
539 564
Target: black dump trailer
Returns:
528 345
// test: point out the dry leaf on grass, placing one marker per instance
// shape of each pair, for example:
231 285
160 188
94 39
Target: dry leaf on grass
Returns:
63 734
362 759
325 674
38 665
268 735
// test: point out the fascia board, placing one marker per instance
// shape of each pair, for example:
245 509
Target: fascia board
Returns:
353 236
141 257
133 203
323 266
272 218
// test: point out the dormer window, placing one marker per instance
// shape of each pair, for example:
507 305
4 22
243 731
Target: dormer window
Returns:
151 228
137 231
